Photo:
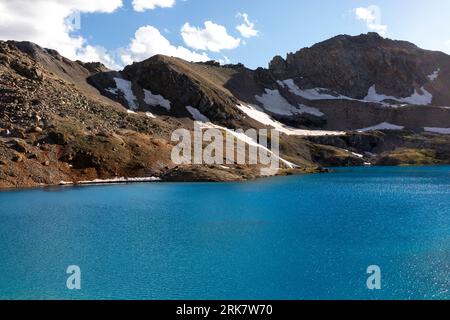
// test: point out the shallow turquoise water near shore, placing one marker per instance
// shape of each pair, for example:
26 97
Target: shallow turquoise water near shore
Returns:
301 237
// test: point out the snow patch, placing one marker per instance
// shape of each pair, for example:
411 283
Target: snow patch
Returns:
197 115
111 181
434 75
311 94
382 126
263 118
437 130
275 103
310 110
126 88
113 91
248 140
372 96
150 115
415 99
156 100
358 155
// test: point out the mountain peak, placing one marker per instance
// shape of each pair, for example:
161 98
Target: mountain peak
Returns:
351 65
371 39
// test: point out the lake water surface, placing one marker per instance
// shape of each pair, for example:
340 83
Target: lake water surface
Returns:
300 237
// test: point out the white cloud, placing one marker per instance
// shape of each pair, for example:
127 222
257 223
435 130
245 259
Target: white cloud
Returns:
213 37
142 5
224 60
45 22
148 41
247 29
372 17
97 54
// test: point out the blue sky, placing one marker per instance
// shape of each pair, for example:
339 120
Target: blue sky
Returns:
282 26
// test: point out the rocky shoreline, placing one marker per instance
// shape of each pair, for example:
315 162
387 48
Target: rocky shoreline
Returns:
195 175
187 175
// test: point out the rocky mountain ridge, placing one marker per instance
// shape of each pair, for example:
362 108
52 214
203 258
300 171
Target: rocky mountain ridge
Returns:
350 66
382 80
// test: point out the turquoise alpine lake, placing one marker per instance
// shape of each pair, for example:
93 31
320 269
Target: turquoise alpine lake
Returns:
297 237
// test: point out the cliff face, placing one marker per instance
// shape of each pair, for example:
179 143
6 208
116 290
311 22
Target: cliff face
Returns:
345 101
351 65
